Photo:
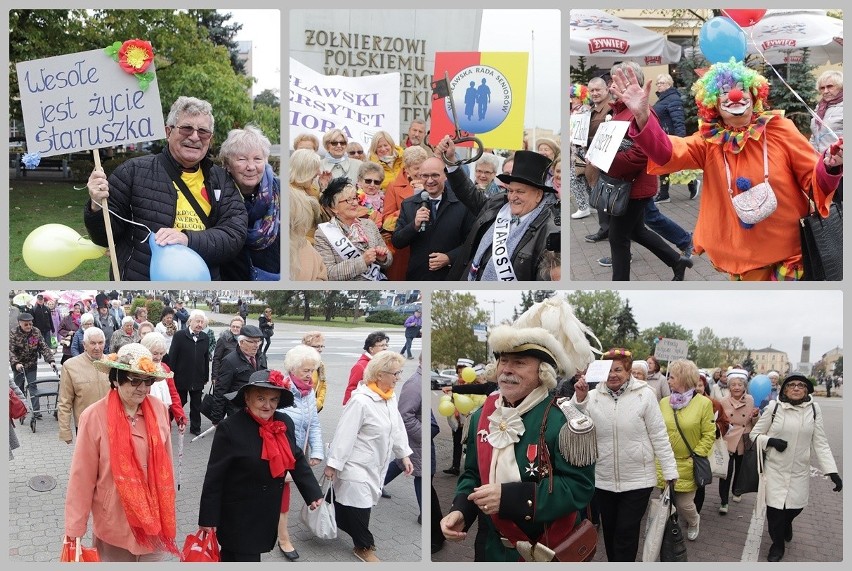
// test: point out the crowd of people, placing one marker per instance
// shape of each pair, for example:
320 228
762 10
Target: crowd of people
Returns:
121 404
727 157
549 447
398 212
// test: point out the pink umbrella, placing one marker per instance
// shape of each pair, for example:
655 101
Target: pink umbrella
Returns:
49 295
70 297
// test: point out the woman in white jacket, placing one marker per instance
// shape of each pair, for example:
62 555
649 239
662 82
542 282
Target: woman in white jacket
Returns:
369 434
300 362
793 428
630 434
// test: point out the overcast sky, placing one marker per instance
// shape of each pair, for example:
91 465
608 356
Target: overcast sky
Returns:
263 29
510 31
759 318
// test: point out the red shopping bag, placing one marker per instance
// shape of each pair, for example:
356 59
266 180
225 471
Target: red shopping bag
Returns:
74 552
17 408
201 547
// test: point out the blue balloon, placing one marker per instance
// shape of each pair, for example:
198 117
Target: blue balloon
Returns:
721 39
759 387
176 262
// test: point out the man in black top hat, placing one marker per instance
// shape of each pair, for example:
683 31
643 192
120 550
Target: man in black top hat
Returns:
510 234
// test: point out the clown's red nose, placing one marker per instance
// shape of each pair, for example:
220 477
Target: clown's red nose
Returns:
735 95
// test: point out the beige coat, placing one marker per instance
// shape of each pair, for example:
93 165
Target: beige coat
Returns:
788 472
80 385
741 417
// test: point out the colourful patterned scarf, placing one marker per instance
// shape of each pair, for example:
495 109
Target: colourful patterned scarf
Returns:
148 500
680 400
734 139
264 212
276 448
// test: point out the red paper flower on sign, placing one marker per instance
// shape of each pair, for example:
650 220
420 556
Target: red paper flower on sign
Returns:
135 56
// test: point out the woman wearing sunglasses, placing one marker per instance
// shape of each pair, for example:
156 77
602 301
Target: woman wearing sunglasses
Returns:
337 162
132 502
788 432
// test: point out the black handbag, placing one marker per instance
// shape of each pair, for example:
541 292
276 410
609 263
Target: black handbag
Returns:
701 470
610 194
747 476
207 403
673 548
822 243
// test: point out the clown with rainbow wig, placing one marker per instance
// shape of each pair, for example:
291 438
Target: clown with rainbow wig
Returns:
580 97
739 140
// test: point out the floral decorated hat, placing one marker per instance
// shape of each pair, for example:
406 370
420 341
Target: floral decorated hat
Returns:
132 358
265 379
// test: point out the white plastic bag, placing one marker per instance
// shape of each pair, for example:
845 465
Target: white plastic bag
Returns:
659 511
321 521
719 458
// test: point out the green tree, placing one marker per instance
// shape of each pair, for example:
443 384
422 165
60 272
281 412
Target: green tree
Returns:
626 328
267 97
453 317
221 33
526 303
598 309
707 349
799 76
838 367
732 351
748 363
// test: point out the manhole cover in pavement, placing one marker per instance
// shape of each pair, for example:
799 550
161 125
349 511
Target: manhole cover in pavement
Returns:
42 483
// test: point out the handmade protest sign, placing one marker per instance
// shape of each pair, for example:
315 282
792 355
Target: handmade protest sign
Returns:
359 106
86 100
605 144
580 128
670 349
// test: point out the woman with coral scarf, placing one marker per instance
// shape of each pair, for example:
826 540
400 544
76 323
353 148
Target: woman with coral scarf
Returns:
251 454
132 503
739 144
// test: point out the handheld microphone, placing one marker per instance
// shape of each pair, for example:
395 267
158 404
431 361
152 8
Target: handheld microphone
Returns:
424 198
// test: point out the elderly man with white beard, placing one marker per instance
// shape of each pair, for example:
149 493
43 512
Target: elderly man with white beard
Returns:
528 469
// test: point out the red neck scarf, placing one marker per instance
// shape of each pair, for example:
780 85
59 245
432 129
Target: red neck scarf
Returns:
276 448
824 104
303 387
148 499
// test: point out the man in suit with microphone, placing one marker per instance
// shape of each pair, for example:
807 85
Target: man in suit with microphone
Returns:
434 224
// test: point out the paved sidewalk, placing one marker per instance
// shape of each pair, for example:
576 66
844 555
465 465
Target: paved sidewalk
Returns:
645 266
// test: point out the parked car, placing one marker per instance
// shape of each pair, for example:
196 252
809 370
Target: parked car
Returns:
443 378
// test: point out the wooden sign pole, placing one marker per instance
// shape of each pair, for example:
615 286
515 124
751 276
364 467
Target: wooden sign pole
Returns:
107 224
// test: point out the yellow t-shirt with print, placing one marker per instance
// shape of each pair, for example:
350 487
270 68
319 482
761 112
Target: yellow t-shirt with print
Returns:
185 216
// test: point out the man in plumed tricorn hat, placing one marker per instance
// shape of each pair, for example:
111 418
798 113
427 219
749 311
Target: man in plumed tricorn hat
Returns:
530 463
512 228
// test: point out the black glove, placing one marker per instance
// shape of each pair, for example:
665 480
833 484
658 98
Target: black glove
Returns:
838 483
777 443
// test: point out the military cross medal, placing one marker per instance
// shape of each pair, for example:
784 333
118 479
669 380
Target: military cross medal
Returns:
532 454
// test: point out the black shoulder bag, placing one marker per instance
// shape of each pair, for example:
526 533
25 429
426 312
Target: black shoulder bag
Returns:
610 194
174 174
701 470
822 243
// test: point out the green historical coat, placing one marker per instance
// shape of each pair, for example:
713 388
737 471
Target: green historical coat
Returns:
529 503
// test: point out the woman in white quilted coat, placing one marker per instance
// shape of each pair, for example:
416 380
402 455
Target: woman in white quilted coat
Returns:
789 431
631 434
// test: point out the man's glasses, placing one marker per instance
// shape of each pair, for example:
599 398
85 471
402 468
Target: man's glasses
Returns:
427 176
375 181
188 130
337 143
136 381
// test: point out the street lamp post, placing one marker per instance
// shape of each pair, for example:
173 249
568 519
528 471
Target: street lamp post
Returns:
493 303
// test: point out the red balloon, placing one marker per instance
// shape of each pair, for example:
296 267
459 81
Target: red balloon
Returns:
744 17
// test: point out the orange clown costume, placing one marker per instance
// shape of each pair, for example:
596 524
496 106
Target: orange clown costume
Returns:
771 248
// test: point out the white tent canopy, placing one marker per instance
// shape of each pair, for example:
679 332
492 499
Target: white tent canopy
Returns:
604 39
783 34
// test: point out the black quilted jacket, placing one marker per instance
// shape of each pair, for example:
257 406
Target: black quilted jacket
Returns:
141 190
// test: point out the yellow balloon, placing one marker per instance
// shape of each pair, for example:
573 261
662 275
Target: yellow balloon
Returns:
463 403
54 250
468 375
446 408
479 399
446 397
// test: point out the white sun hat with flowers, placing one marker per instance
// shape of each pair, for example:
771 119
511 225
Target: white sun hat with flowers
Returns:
133 358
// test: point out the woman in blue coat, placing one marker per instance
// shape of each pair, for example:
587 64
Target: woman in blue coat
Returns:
299 365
